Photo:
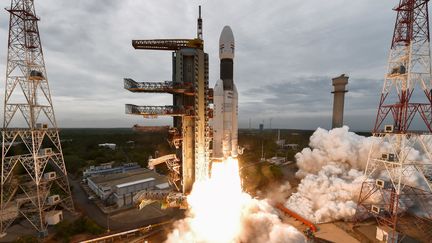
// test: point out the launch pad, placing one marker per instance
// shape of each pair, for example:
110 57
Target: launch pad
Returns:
190 134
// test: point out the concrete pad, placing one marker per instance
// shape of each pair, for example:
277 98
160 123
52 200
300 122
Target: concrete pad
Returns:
333 233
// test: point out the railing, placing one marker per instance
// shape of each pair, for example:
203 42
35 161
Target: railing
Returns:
131 84
158 87
154 111
167 44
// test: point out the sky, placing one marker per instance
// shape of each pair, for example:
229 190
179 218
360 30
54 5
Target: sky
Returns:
287 52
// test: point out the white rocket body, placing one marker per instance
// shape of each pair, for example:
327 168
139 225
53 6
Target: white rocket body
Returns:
225 118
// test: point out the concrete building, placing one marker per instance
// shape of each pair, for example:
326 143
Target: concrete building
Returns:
277 160
108 145
339 84
120 188
107 168
292 146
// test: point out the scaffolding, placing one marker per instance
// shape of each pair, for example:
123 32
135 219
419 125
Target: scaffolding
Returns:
159 87
190 134
388 193
38 188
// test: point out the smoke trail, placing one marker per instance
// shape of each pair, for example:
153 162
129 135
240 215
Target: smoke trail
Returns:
221 212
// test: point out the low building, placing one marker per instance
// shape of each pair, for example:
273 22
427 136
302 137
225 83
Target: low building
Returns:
292 146
120 188
280 142
130 143
277 160
108 145
107 168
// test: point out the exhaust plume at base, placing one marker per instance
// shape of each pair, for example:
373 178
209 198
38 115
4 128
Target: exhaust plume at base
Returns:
221 212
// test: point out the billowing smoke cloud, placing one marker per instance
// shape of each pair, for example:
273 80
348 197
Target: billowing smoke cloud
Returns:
221 212
329 195
338 146
332 173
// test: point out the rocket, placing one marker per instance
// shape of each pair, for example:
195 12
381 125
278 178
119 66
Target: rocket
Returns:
225 126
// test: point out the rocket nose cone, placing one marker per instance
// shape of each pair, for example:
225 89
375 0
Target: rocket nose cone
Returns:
226 43
226 35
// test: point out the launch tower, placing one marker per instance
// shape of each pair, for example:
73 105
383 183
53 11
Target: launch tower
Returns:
33 175
190 133
392 161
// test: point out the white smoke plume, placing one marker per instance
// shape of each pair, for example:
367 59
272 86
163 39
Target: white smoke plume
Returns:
220 212
332 174
337 146
329 195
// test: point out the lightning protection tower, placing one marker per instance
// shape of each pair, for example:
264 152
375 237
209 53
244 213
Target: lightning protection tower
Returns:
34 182
389 193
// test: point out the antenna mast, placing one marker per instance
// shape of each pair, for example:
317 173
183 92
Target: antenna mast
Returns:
199 26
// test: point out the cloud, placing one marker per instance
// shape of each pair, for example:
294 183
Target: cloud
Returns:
286 53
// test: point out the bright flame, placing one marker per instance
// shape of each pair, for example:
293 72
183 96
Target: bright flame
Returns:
221 212
219 199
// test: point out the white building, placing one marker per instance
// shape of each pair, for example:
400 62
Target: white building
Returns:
277 160
108 145
120 188
107 168
292 146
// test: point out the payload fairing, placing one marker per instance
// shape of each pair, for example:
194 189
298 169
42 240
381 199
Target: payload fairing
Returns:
225 122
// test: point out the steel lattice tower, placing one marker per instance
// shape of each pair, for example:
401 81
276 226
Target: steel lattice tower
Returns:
190 133
33 176
409 66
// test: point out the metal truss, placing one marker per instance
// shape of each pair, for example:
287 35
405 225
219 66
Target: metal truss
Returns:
399 155
168 198
202 129
396 210
173 165
168 44
190 135
27 96
158 87
409 65
401 166
155 111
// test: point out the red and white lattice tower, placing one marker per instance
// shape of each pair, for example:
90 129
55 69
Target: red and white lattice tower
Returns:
399 167
34 181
